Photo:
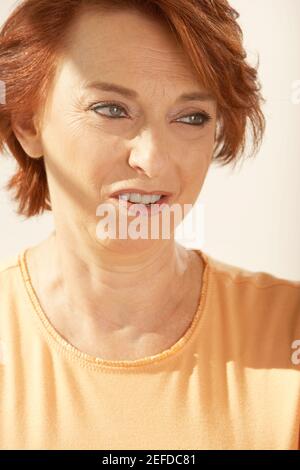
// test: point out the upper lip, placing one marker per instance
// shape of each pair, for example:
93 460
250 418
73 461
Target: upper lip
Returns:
140 191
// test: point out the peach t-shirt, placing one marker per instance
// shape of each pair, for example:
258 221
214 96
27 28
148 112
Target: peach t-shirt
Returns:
232 381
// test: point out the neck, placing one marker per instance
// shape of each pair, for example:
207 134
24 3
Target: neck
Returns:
112 290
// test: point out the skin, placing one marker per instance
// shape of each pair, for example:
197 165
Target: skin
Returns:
118 299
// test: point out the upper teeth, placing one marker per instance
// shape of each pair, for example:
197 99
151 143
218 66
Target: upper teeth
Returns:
140 198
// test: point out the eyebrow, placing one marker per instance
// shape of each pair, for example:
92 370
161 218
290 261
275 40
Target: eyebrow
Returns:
121 90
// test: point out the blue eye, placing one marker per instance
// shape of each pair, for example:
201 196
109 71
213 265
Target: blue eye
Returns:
110 106
204 117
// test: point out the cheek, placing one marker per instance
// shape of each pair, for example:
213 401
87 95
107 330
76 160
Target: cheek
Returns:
98 157
72 143
195 166
198 159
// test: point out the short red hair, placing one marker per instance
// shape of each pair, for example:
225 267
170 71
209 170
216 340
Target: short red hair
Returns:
32 38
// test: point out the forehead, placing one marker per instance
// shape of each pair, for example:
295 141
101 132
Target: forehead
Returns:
126 44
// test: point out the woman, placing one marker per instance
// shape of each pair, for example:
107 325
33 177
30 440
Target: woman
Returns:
125 342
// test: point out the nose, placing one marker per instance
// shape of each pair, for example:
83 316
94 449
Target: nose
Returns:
149 154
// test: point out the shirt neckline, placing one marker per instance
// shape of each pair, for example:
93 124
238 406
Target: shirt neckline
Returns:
94 361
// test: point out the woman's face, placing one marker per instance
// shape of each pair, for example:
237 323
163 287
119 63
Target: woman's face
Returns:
145 138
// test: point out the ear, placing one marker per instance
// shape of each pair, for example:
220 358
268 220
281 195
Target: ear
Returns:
28 135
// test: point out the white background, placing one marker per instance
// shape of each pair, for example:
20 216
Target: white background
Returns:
251 214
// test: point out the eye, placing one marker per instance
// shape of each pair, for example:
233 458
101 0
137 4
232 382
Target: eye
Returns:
204 118
113 108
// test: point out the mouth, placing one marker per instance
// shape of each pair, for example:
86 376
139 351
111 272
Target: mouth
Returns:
143 209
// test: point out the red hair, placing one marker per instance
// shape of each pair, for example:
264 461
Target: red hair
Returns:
32 39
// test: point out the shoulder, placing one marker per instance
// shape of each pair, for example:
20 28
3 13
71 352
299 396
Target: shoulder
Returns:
8 272
9 277
254 293
9 280
240 274
8 262
235 276
258 311
8 267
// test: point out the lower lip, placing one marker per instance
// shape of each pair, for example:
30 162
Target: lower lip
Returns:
144 209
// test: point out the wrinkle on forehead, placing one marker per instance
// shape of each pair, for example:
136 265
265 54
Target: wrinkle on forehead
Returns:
141 61
148 52
134 53
175 58
129 33
144 71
